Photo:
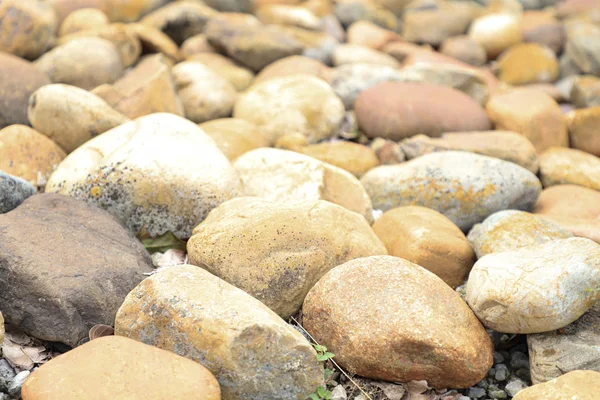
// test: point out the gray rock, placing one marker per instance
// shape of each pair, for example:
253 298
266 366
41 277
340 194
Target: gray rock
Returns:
464 398
498 357
501 373
14 389
13 191
519 360
496 393
575 347
339 393
515 386
465 187
7 374
476 392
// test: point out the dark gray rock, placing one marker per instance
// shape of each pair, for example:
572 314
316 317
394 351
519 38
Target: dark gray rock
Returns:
7 374
13 191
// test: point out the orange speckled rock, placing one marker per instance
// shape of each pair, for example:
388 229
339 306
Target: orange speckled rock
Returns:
389 319
532 113
276 252
580 385
427 238
528 63
537 288
465 187
512 229
560 165
128 369
583 129
83 19
234 136
28 154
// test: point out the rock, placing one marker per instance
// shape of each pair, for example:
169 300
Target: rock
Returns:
464 187
388 319
585 92
582 385
204 93
289 177
533 114
339 393
63 8
293 65
356 54
28 28
366 33
352 157
148 88
71 116
252 352
316 44
560 165
160 172
180 20
83 284
528 63
433 26
83 19
349 12
541 27
515 386
505 145
196 45
254 47
14 390
297 103
1 328
557 279
128 368
583 130
234 136
13 192
235 6
427 238
511 230
284 248
18 80
571 348
154 41
397 110
583 46
568 68
28 154
496 32
465 49
119 11
283 14
86 62
349 80
239 77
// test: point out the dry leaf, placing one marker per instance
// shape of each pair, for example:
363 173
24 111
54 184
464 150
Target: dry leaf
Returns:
37 354
15 355
18 337
392 391
101 330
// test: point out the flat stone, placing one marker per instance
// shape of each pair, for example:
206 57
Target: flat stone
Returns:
559 165
582 385
540 26
13 192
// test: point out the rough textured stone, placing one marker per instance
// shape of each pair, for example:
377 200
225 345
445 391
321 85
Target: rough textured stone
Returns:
129 369
28 154
388 319
571 348
512 229
532 113
535 289
277 252
186 178
397 110
496 32
465 49
528 63
253 353
583 130
239 77
89 265
505 145
559 165
234 136
13 192
356 54
71 116
464 187
18 80
83 19
425 237
581 385
289 177
297 103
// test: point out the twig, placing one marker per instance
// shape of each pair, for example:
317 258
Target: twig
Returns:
333 361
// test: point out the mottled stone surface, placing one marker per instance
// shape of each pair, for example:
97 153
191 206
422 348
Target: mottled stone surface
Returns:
13 192
536 289
559 165
129 369
389 319
277 252
580 385
252 352
88 262
465 187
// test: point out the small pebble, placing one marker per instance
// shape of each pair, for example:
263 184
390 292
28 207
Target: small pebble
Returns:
501 372
498 357
496 393
7 374
476 392
483 383
519 360
515 386
15 387
339 393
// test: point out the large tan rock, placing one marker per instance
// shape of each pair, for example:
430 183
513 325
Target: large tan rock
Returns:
252 352
496 32
239 77
583 46
425 237
512 229
28 154
389 319
289 177
581 385
528 63
129 369
537 288
296 103
276 252
583 125
234 136
559 165
186 178
18 80
505 145
71 116
532 113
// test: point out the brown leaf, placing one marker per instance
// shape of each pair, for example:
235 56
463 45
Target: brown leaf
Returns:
101 330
